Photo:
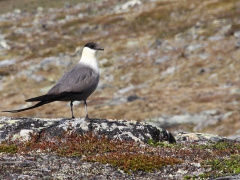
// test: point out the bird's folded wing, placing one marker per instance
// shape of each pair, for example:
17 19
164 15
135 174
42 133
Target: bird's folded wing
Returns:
77 79
74 82
52 97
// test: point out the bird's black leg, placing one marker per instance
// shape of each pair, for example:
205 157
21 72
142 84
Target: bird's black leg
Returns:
71 104
86 111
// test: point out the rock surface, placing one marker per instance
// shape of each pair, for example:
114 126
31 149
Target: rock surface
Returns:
114 129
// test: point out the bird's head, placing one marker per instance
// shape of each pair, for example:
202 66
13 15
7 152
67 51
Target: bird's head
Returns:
91 49
89 53
93 46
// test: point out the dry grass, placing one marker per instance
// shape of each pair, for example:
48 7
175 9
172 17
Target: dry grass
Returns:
32 5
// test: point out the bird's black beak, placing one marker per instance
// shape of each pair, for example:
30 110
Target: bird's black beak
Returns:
100 49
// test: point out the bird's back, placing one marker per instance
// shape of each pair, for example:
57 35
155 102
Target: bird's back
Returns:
81 79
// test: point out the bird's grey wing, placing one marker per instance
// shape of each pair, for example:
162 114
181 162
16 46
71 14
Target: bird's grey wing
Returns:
76 80
47 98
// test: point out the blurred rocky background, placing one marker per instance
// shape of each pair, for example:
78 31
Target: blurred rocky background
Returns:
175 64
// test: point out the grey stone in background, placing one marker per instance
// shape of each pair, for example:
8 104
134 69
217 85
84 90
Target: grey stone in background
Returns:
201 137
53 62
162 59
200 120
7 62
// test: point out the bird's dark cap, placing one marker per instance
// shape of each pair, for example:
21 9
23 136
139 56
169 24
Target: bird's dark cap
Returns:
94 46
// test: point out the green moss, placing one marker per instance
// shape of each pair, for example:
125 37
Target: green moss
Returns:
223 166
190 177
160 144
5 148
223 146
187 177
193 177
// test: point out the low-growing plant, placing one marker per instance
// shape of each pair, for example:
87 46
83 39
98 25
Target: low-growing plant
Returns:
131 162
160 144
8 148
224 166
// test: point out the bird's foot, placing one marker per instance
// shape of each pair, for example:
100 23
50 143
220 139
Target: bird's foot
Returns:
87 118
73 117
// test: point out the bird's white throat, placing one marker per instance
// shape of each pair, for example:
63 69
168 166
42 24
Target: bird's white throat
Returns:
89 58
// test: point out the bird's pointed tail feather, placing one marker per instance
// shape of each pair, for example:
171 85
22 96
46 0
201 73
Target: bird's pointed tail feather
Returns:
24 109
45 99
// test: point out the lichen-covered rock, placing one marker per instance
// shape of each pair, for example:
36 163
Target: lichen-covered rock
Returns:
115 129
202 137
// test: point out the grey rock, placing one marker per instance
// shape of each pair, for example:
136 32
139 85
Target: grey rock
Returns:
202 70
158 43
37 78
126 59
162 59
237 44
200 121
52 62
126 89
235 138
194 47
80 15
204 56
17 11
215 38
132 98
39 10
70 17
117 101
236 34
114 129
211 112
29 72
7 62
169 70
67 5
200 137
235 91
48 63
151 52
108 78
2 37
232 177
127 5
127 77
132 43
4 45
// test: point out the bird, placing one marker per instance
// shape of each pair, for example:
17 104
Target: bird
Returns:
75 85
